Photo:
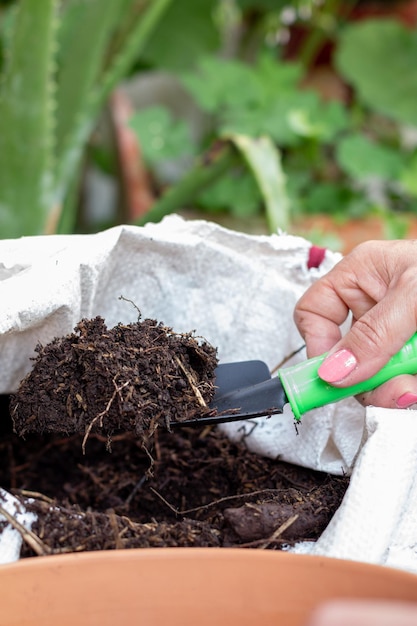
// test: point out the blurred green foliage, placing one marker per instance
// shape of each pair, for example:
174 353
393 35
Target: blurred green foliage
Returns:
286 151
378 58
347 158
60 61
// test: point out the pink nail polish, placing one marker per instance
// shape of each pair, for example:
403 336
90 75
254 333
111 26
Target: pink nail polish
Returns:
337 366
406 400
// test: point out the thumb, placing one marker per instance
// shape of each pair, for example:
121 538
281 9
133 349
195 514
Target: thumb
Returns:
371 342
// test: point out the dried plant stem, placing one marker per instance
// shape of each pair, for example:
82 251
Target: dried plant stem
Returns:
191 382
28 536
115 526
209 505
36 494
279 531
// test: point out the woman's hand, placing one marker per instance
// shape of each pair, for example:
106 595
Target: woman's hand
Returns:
377 284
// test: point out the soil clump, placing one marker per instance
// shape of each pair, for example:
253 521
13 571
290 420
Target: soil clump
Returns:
131 378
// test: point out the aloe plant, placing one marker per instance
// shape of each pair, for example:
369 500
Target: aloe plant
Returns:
62 59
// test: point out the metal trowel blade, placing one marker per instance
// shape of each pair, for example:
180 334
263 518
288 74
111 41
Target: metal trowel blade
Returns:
245 390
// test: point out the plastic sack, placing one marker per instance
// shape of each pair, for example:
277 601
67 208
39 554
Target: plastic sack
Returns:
236 290
239 292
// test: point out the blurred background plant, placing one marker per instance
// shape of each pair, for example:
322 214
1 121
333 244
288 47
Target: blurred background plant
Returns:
59 63
260 114
331 84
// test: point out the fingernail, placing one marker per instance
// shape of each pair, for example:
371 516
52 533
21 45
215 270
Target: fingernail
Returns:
406 400
337 366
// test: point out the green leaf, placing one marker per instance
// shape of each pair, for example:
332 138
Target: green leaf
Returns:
271 120
236 192
409 176
334 199
217 84
207 169
315 119
264 99
132 25
276 77
362 158
132 39
26 121
161 138
272 5
226 86
80 62
188 31
7 19
264 160
378 57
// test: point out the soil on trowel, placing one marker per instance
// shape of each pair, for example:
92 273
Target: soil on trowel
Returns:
136 485
130 378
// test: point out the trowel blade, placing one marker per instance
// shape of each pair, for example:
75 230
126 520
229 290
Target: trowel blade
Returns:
245 390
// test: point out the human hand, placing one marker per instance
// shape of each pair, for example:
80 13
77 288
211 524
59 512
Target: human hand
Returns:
364 613
377 284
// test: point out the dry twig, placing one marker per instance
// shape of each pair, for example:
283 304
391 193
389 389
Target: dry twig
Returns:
279 531
215 503
191 382
28 536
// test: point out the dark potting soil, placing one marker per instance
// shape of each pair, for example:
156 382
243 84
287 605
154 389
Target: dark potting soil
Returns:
122 480
203 491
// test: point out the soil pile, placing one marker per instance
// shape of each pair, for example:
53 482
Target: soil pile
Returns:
203 491
131 378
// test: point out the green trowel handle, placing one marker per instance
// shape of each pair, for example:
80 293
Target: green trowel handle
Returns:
305 390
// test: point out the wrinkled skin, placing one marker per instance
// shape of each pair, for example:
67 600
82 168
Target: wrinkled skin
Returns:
377 285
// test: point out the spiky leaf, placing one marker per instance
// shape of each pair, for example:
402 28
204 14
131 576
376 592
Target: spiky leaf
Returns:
26 122
264 161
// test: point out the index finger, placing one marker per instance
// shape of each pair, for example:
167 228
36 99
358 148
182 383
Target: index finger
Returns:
318 315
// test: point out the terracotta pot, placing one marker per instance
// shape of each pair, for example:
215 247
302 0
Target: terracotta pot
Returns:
186 587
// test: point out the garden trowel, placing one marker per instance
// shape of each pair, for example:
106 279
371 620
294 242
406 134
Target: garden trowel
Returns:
245 390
